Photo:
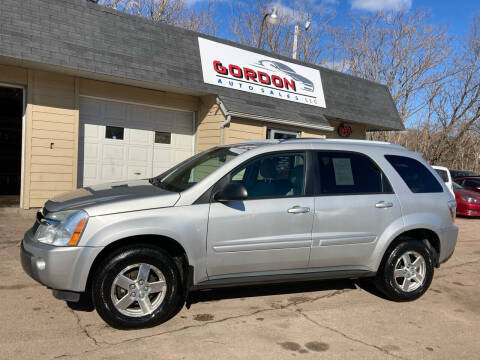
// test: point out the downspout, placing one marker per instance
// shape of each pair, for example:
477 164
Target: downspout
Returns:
228 118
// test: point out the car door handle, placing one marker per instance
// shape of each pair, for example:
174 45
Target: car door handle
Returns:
383 204
298 210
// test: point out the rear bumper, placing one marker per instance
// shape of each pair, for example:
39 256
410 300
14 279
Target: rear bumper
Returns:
448 242
59 268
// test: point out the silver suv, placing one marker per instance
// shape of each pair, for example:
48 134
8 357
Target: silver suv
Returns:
255 212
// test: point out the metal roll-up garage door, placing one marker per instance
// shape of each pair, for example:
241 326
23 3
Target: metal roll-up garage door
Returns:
122 141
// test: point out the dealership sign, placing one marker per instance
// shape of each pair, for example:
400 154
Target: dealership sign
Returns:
239 69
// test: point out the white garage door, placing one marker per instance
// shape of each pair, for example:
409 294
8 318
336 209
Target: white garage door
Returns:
120 141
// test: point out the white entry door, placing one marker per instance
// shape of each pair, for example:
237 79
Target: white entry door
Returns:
121 141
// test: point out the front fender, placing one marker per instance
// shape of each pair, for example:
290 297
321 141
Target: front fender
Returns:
185 224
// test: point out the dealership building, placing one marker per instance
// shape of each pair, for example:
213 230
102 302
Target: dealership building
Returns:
90 95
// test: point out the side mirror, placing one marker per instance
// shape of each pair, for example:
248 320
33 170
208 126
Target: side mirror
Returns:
231 192
477 188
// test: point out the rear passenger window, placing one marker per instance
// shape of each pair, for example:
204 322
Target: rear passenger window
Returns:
350 173
417 177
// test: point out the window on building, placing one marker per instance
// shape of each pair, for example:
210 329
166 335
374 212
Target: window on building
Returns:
114 132
417 177
163 137
281 134
350 173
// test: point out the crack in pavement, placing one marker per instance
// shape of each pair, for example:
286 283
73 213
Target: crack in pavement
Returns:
348 337
259 311
85 331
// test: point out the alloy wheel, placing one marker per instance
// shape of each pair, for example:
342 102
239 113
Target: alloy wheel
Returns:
138 290
409 272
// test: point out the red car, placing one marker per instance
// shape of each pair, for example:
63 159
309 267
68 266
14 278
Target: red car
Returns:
468 202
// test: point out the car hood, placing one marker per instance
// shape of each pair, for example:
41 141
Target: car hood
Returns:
114 198
465 192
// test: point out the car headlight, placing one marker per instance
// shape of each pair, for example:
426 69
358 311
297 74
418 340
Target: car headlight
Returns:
62 228
470 199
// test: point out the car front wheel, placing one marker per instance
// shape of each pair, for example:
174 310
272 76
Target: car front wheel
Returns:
407 272
137 288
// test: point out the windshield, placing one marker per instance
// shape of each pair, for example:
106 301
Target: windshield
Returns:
457 186
193 170
462 173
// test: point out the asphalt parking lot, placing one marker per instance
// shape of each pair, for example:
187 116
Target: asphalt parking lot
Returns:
333 319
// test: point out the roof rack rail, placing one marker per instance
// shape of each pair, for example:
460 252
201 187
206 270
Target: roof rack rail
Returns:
357 141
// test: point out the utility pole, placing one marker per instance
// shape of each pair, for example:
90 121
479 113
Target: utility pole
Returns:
296 32
295 41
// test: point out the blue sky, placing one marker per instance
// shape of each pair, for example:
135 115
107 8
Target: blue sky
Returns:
455 14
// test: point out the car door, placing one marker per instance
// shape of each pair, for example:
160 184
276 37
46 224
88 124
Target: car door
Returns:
270 231
354 205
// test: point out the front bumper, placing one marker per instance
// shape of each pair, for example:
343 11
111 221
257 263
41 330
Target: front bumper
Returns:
468 209
448 242
59 268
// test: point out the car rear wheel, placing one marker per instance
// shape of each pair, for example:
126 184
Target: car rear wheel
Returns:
137 288
407 271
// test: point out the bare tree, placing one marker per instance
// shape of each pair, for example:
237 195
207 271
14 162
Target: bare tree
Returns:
456 106
246 24
173 12
278 38
447 131
399 49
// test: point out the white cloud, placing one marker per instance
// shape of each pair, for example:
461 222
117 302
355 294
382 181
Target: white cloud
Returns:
381 5
287 12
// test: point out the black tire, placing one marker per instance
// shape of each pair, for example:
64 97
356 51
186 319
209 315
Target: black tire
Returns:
387 283
114 264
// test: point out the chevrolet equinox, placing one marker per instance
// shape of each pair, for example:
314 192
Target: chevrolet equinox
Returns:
249 213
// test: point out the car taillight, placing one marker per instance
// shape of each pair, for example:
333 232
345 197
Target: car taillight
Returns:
452 206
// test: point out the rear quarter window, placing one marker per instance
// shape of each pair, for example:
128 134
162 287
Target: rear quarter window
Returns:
417 177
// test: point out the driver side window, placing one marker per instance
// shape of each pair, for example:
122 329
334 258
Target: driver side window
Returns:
274 175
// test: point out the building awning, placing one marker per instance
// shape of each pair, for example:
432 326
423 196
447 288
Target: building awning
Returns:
257 110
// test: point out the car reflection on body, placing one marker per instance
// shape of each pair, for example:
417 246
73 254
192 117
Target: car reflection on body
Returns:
279 67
